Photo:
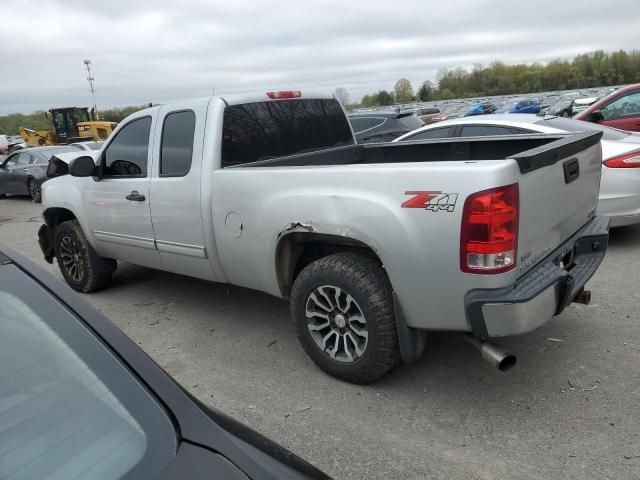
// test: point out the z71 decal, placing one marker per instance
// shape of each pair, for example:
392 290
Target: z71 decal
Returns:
433 201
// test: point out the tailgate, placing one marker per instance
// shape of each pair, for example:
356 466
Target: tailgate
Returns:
559 185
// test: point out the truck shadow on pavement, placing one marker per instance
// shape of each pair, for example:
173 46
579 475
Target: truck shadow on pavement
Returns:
624 236
188 310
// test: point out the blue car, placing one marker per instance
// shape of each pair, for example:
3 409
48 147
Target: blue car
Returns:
521 105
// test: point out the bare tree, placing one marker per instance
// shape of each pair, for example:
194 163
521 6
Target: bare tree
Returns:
404 91
342 95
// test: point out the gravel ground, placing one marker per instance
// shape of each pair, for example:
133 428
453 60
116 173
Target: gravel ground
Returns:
570 409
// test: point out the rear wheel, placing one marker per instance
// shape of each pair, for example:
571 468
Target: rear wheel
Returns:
343 309
565 114
34 191
82 268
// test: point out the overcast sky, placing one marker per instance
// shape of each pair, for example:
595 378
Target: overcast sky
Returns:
155 51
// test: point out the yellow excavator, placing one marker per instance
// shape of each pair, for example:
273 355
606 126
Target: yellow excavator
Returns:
70 124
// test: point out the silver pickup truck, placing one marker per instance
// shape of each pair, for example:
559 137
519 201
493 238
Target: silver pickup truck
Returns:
373 244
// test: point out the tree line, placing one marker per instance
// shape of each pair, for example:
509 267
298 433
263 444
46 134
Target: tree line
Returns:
594 69
9 124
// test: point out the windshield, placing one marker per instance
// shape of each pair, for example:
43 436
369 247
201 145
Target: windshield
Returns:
68 408
579 126
80 116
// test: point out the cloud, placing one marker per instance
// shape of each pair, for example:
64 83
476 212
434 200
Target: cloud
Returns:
156 51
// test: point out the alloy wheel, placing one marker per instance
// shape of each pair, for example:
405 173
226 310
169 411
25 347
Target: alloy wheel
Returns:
71 258
336 323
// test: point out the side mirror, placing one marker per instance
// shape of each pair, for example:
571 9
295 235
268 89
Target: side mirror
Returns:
597 116
82 167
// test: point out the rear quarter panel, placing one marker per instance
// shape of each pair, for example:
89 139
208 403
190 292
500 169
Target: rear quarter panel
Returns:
419 248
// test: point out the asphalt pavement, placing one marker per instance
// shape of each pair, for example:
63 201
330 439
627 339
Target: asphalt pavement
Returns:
570 409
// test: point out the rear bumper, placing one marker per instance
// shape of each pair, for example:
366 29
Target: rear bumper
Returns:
542 292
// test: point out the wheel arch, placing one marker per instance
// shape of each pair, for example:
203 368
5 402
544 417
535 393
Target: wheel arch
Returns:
54 216
296 250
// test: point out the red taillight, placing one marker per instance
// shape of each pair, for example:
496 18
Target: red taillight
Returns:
489 241
629 160
284 94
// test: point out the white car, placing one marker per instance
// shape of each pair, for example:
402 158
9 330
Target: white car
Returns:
619 197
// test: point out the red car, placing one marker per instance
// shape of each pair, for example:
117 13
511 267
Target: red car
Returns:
619 109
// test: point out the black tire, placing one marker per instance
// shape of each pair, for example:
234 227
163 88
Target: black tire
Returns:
363 278
565 114
35 191
92 272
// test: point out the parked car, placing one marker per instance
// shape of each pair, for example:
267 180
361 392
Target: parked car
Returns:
383 126
270 192
450 111
4 144
619 197
620 109
569 106
474 109
581 104
10 143
521 105
561 108
81 400
427 114
547 101
88 145
24 171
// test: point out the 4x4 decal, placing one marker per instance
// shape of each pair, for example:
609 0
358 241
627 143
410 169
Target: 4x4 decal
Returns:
433 201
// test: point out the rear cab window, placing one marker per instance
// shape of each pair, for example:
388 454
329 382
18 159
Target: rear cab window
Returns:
258 131
68 407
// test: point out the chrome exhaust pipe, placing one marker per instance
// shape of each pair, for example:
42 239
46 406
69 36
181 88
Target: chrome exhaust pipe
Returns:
493 354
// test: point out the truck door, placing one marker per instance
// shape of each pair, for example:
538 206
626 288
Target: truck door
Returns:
176 189
118 204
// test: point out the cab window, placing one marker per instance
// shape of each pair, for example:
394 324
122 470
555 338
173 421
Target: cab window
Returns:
177 143
128 152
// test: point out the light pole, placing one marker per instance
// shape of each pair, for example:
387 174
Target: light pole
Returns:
87 63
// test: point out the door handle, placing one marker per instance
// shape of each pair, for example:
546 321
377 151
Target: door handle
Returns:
25 169
134 196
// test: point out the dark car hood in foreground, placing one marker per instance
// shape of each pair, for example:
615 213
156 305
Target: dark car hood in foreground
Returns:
197 425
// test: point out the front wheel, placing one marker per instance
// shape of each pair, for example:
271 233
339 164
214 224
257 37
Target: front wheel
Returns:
81 266
343 309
